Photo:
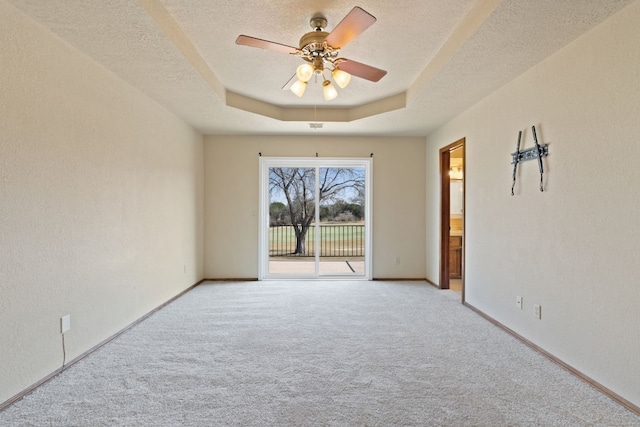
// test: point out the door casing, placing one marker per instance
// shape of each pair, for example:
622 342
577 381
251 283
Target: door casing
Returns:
445 212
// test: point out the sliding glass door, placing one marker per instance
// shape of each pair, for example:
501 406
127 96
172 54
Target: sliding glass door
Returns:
315 217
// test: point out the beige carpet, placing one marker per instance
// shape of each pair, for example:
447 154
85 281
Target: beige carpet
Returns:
316 354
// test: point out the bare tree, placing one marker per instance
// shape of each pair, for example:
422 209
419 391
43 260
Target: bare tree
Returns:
297 186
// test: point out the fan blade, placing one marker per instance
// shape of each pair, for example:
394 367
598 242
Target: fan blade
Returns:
363 71
264 44
350 27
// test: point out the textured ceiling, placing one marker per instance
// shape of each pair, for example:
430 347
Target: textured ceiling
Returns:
442 56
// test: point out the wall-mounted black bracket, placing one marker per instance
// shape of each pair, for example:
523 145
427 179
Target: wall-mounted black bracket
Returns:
537 152
529 154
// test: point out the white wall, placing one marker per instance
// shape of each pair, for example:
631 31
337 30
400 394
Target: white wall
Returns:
232 199
101 201
575 248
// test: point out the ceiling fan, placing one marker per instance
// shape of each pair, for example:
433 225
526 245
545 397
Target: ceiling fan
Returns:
320 51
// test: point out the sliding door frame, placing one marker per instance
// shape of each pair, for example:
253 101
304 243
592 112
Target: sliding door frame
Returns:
312 162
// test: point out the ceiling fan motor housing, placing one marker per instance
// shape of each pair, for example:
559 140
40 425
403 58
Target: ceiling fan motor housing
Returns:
312 44
313 38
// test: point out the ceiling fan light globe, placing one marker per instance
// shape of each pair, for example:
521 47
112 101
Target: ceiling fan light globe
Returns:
304 72
329 91
298 88
342 78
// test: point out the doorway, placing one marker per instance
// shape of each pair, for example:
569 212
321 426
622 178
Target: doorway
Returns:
452 215
315 218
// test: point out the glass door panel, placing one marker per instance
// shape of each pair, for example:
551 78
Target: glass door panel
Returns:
292 200
341 225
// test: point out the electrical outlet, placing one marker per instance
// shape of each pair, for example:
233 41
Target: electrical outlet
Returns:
519 302
65 323
397 260
537 311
